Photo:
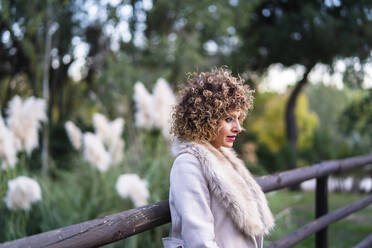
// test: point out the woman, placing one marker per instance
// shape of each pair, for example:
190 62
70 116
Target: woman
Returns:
213 199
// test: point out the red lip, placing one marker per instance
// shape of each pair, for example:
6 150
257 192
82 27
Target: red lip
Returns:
231 138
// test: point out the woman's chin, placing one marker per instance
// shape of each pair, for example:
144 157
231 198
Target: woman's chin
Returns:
228 144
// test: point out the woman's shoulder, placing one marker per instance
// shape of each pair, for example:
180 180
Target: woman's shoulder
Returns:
186 170
185 162
186 157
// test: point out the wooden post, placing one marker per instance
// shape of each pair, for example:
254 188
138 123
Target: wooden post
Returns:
321 208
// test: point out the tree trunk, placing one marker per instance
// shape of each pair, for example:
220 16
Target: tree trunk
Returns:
290 119
7 96
46 67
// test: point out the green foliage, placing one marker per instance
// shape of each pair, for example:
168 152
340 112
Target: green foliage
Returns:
337 135
357 116
269 123
274 161
326 145
327 102
266 160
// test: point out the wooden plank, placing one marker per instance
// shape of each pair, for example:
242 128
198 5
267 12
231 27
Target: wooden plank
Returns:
100 231
291 177
318 224
365 243
321 208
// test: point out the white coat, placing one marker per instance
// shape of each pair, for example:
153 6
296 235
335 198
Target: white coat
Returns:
214 201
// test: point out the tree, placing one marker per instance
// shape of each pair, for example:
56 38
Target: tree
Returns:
306 33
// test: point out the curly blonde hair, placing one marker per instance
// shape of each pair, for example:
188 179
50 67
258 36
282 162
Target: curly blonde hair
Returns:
205 100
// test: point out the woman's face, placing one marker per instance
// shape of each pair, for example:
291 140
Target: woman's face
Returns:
228 130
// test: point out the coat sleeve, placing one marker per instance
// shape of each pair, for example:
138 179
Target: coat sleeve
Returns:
191 199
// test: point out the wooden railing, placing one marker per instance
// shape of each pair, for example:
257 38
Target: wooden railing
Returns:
121 225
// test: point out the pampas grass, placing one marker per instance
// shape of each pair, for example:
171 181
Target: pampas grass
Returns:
164 100
95 153
22 192
8 146
24 120
144 107
101 126
133 187
154 110
74 134
103 148
110 134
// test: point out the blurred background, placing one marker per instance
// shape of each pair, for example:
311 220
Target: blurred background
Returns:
87 88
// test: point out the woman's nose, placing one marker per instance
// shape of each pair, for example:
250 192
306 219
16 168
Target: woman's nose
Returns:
237 128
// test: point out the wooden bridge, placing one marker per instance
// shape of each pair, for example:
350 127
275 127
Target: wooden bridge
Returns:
108 229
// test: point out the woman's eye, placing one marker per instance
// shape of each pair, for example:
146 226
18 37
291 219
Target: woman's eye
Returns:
228 119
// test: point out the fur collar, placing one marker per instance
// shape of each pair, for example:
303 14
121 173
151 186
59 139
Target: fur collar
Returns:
231 183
